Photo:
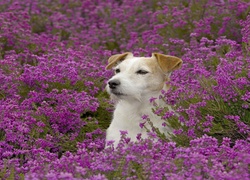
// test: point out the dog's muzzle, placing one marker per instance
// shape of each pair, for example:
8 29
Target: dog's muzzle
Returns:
113 84
114 87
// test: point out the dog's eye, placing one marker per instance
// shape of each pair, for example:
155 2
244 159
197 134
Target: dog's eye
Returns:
141 72
117 71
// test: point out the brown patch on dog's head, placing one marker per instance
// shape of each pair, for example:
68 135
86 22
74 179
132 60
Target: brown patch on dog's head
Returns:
168 63
113 60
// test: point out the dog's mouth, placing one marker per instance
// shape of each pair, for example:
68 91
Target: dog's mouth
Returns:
118 93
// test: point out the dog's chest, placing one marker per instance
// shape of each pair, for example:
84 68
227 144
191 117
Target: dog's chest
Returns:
129 117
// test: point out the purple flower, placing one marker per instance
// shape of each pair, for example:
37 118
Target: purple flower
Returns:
54 112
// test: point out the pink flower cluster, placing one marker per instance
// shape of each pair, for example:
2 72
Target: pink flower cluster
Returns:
54 111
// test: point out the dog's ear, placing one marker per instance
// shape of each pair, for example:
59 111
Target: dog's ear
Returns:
112 61
168 63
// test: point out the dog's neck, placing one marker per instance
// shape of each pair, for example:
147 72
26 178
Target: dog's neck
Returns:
143 101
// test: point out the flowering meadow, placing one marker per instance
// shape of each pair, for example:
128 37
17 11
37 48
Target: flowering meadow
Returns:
54 109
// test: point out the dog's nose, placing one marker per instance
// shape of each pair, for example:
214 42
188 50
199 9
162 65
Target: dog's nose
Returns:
114 83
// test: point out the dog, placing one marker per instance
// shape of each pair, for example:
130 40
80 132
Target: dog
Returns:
136 81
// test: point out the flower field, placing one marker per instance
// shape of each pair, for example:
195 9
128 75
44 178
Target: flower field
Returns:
54 109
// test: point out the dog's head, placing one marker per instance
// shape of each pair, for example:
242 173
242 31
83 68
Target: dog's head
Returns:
137 77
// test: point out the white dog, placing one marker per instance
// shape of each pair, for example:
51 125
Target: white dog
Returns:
136 80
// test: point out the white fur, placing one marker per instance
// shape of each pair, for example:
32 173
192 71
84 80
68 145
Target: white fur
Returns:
136 90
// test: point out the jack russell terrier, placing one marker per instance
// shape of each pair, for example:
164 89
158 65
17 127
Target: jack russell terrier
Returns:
136 80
